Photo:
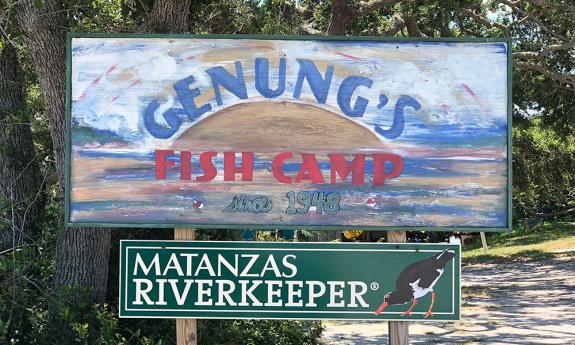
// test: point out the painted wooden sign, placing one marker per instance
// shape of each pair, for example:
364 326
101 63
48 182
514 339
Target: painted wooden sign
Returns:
327 133
169 279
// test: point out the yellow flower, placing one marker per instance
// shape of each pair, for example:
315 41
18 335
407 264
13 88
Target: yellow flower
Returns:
351 234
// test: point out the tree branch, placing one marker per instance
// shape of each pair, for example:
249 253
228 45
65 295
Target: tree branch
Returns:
396 23
484 21
546 4
568 79
367 7
412 28
528 56
533 15
309 30
461 24
544 53
343 13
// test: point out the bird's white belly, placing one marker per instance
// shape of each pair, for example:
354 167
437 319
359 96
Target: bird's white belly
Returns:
418 291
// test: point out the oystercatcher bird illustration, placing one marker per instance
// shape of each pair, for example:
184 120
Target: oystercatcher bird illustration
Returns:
416 281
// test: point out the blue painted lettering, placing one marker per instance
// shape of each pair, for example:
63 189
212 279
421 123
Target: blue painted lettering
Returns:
263 75
186 97
318 84
346 89
398 117
234 84
172 117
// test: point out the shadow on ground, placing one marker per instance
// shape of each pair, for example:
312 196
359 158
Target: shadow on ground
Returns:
519 302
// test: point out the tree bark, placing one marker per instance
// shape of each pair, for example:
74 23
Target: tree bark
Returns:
19 178
167 16
412 27
45 38
341 16
81 253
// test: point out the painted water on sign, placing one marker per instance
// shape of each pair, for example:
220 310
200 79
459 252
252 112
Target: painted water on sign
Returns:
304 133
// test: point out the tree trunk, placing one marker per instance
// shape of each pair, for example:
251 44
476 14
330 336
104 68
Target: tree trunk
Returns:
167 16
19 178
45 38
82 253
412 27
340 17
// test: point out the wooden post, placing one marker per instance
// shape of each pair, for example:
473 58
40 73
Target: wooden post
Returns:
186 329
484 242
398 330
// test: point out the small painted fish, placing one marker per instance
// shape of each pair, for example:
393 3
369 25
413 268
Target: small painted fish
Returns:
197 203
371 202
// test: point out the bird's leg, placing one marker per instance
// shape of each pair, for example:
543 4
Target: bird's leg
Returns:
429 313
381 307
408 311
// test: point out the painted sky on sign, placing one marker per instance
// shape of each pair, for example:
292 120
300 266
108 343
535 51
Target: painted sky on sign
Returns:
461 87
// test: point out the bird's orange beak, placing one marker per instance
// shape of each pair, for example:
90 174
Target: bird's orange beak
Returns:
381 307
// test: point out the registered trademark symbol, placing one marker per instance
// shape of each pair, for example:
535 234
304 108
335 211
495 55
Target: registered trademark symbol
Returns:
374 286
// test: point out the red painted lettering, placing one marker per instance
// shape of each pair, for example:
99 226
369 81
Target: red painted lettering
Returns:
230 169
277 167
162 163
209 168
379 175
309 169
340 166
185 165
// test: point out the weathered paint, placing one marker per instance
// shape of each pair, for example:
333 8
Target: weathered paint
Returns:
155 123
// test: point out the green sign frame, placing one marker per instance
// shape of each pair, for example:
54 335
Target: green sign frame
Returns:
281 280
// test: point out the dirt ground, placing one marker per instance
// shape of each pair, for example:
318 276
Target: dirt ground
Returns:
512 303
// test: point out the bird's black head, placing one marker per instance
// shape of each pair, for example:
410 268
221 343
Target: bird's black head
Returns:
395 297
444 257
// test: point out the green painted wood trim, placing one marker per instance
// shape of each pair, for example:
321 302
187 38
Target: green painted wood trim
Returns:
509 135
291 37
68 139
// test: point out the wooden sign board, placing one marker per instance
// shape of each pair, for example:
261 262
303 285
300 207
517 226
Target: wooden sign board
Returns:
212 131
275 280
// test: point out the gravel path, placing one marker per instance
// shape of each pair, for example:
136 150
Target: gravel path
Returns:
513 303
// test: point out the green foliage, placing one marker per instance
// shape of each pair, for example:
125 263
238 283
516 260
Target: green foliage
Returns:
26 296
92 15
226 16
279 18
255 332
321 10
543 166
25 277
108 329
